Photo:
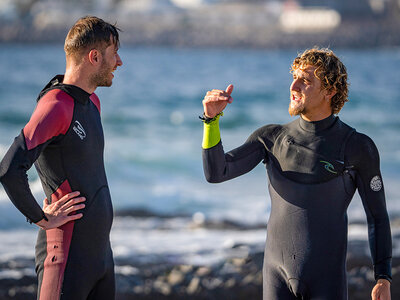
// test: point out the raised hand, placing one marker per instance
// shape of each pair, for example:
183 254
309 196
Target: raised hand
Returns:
215 101
62 211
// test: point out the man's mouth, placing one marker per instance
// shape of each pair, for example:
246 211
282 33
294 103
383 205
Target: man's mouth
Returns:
296 98
112 72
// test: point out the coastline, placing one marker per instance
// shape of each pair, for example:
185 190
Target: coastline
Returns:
237 277
235 25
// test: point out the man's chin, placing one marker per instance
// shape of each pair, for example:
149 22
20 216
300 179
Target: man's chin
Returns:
294 111
105 84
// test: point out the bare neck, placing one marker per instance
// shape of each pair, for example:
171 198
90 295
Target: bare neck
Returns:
318 112
76 75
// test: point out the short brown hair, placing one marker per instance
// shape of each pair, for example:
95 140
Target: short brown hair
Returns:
90 32
329 70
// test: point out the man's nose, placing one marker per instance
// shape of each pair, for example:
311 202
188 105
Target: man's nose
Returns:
119 60
295 85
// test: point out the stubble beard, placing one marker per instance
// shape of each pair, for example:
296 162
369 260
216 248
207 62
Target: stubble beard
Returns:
297 109
102 78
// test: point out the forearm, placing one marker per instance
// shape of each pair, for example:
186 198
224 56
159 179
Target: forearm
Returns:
20 195
379 233
219 166
364 156
381 246
213 152
13 176
211 133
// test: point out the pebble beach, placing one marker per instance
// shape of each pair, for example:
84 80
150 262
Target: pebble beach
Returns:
236 277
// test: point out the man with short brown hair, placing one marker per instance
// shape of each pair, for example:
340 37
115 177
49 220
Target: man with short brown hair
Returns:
64 138
314 165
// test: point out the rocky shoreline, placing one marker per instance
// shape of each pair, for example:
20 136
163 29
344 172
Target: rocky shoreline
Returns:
235 278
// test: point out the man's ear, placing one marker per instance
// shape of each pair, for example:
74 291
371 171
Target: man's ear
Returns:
94 57
330 93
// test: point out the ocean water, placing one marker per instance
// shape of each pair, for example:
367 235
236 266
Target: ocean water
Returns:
153 140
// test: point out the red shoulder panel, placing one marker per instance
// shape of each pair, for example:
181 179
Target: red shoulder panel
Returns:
96 101
52 117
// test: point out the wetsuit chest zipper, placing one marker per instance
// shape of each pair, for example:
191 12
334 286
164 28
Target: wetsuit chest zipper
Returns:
342 169
291 142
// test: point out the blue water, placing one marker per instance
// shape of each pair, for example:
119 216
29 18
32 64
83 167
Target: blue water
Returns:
153 135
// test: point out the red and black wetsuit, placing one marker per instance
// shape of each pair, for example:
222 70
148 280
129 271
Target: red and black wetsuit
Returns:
64 138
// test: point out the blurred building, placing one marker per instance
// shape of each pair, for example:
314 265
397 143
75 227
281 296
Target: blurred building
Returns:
352 8
251 23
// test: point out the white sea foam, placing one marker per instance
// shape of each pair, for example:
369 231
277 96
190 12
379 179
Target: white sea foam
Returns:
175 240
178 241
17 274
3 195
17 243
358 232
131 238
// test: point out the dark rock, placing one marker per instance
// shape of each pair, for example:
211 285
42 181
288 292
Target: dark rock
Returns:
235 279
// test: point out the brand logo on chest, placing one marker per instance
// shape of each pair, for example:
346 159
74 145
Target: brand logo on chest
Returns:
328 166
79 130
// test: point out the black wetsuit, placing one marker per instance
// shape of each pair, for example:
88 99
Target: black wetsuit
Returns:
64 138
314 169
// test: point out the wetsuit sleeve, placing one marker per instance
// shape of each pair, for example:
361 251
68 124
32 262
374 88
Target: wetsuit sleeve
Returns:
219 166
364 155
50 121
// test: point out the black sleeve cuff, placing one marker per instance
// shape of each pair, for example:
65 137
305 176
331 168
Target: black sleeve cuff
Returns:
35 220
383 269
383 277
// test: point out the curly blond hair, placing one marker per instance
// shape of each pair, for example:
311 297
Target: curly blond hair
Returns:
329 70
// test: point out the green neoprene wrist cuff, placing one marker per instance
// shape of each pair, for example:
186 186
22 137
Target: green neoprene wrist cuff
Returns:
211 134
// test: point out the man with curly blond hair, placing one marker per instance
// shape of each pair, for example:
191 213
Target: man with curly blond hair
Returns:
314 165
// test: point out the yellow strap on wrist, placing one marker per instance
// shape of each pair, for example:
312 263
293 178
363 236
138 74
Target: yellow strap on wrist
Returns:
211 134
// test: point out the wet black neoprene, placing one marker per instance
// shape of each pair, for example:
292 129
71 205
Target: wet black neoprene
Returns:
314 169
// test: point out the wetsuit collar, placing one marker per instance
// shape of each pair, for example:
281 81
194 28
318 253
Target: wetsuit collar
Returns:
75 92
316 126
